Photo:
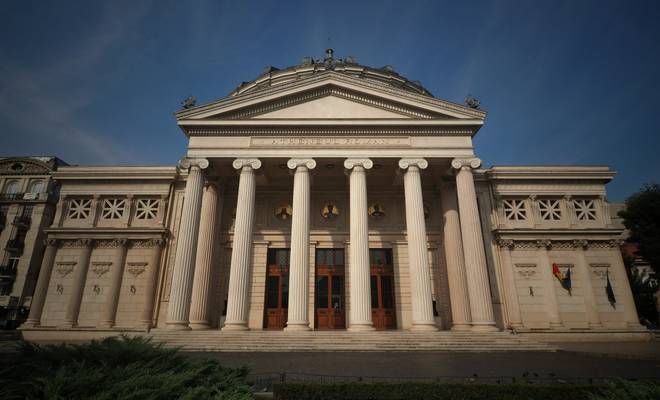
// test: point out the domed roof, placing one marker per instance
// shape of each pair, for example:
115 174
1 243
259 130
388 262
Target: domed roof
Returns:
274 76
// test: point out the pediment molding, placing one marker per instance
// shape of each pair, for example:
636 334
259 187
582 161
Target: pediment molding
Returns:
330 90
346 130
413 104
23 166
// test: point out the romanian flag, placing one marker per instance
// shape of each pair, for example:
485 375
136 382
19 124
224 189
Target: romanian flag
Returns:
564 280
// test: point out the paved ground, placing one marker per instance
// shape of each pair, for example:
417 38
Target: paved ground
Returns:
537 366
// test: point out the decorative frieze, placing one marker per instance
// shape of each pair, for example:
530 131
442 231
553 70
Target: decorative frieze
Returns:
329 141
575 244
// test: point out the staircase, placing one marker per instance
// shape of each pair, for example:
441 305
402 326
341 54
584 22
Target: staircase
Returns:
327 341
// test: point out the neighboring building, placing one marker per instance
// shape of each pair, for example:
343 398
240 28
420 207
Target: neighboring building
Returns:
27 204
330 195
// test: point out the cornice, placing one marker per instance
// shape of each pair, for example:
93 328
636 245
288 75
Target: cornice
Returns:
115 173
537 172
330 130
380 90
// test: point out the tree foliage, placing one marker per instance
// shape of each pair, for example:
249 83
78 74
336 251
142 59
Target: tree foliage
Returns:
642 218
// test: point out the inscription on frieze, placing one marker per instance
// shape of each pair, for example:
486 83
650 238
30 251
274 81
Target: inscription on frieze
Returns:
337 141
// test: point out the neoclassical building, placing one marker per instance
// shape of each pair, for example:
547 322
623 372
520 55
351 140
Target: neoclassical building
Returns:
331 195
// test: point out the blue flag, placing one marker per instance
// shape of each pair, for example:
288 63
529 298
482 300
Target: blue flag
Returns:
610 291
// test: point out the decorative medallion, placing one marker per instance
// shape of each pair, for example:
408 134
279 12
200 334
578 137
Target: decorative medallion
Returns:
64 268
136 268
100 268
283 212
376 210
329 211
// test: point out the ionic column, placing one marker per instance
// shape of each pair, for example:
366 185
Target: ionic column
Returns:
239 274
509 287
422 297
549 292
584 273
298 314
360 274
186 246
79 277
41 290
146 317
199 312
481 307
456 277
110 308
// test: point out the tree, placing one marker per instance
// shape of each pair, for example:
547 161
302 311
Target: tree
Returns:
642 218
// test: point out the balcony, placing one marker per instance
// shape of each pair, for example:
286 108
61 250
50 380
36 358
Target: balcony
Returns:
22 221
7 271
15 246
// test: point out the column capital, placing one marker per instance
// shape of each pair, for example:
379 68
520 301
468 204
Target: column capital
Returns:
189 162
581 243
51 242
158 242
294 163
544 243
351 163
506 243
420 163
241 163
460 163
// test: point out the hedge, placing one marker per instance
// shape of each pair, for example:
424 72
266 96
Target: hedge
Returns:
117 368
621 390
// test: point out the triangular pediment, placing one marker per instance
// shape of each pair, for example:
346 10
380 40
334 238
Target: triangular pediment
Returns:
328 96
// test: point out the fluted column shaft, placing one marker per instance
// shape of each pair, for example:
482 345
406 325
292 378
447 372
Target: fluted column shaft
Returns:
418 259
481 307
41 290
590 305
509 287
186 246
112 300
298 314
146 317
78 287
360 317
456 277
199 312
239 275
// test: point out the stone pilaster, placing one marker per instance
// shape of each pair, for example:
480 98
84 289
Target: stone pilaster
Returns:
239 274
360 318
78 287
509 287
549 292
41 290
110 308
298 317
186 248
590 305
199 307
618 271
481 306
453 244
422 296
146 317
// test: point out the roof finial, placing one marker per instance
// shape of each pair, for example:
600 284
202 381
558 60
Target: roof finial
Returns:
328 54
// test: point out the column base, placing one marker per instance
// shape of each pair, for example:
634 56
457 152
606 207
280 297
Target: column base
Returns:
461 327
30 324
144 325
556 325
66 325
595 325
297 326
105 325
235 326
199 326
484 327
363 327
424 327
177 326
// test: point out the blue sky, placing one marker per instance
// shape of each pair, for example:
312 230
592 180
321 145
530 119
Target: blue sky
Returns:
564 82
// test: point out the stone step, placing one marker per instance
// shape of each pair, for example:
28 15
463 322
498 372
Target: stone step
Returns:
278 341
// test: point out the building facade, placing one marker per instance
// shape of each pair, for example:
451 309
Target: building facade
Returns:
330 195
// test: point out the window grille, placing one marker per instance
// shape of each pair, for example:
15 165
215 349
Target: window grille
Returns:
550 210
113 208
585 210
80 208
146 209
514 210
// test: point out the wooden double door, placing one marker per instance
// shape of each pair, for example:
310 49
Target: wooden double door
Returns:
383 309
277 289
329 296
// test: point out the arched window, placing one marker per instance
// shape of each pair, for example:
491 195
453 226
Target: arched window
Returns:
37 187
12 187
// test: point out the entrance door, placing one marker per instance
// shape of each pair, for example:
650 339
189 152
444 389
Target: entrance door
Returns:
277 289
382 289
329 292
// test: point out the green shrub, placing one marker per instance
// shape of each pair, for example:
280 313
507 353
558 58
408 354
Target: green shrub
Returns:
117 368
629 390
431 391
